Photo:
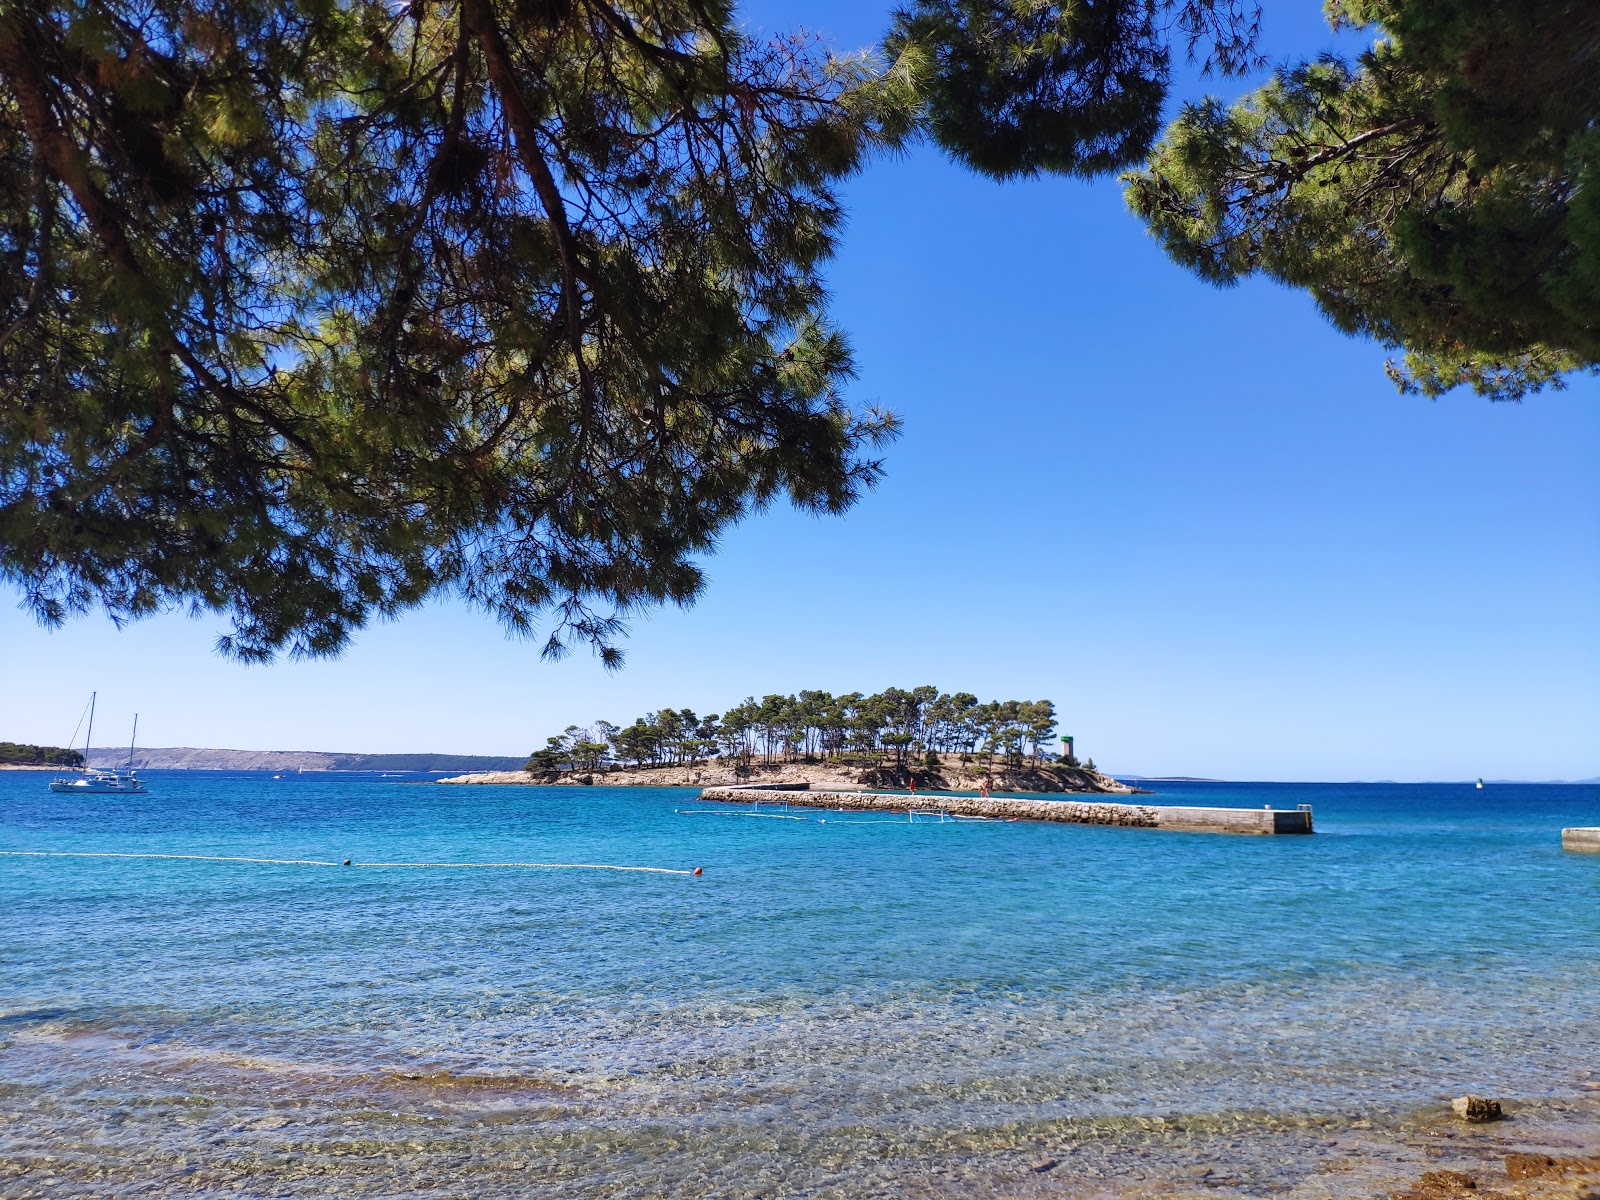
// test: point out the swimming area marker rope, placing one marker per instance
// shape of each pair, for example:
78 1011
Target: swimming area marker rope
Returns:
322 862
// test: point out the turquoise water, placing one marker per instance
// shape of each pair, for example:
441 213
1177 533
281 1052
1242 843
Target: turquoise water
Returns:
847 1005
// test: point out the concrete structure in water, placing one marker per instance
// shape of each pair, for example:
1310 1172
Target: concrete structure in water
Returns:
1581 838
1009 808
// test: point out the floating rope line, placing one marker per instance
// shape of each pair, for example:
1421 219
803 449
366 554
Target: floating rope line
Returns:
322 862
717 812
531 866
276 862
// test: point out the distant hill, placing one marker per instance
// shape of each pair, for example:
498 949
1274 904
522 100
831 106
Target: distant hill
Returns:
190 758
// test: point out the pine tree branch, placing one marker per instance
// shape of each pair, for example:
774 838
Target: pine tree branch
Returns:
1298 171
479 18
69 164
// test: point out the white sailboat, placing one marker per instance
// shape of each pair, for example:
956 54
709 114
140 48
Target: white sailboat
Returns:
1480 785
95 779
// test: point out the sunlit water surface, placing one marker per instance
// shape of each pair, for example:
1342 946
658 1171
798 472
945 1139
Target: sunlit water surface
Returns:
841 1005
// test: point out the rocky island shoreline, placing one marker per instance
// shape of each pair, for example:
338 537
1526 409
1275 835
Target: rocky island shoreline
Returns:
951 775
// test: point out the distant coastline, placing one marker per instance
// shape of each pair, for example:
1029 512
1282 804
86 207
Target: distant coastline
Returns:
192 758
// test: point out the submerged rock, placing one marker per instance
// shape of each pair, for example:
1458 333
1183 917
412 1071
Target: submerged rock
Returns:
1476 1109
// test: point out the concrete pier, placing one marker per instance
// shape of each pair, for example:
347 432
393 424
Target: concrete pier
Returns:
1006 808
1581 838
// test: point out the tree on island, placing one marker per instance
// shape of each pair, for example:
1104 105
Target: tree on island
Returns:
309 312
815 726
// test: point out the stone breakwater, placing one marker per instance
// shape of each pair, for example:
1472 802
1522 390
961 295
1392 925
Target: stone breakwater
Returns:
1580 837
1070 812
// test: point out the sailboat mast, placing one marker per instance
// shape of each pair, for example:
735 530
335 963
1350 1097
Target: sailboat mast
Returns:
88 738
132 739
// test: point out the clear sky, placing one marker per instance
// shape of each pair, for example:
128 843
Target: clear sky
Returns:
1202 521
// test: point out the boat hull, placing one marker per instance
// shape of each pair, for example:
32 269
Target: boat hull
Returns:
106 785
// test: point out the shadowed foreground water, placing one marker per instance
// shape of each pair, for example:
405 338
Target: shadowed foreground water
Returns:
837 1007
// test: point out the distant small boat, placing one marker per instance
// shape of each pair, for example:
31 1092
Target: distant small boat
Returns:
1480 785
94 779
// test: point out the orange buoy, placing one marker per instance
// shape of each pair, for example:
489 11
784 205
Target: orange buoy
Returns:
697 870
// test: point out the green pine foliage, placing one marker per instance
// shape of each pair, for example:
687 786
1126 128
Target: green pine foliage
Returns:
1440 195
1019 87
896 724
309 311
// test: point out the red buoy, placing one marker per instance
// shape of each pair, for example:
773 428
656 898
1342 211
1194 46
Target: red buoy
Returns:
697 870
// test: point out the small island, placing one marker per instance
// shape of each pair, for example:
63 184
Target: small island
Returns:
899 738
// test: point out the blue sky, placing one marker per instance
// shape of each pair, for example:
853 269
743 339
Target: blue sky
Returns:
1202 521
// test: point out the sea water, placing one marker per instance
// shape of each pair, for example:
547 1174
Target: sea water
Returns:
842 1004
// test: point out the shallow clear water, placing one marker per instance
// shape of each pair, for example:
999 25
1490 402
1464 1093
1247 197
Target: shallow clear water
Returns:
839 1005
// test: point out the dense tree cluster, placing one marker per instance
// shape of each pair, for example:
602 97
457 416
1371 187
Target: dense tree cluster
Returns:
24 754
898 724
